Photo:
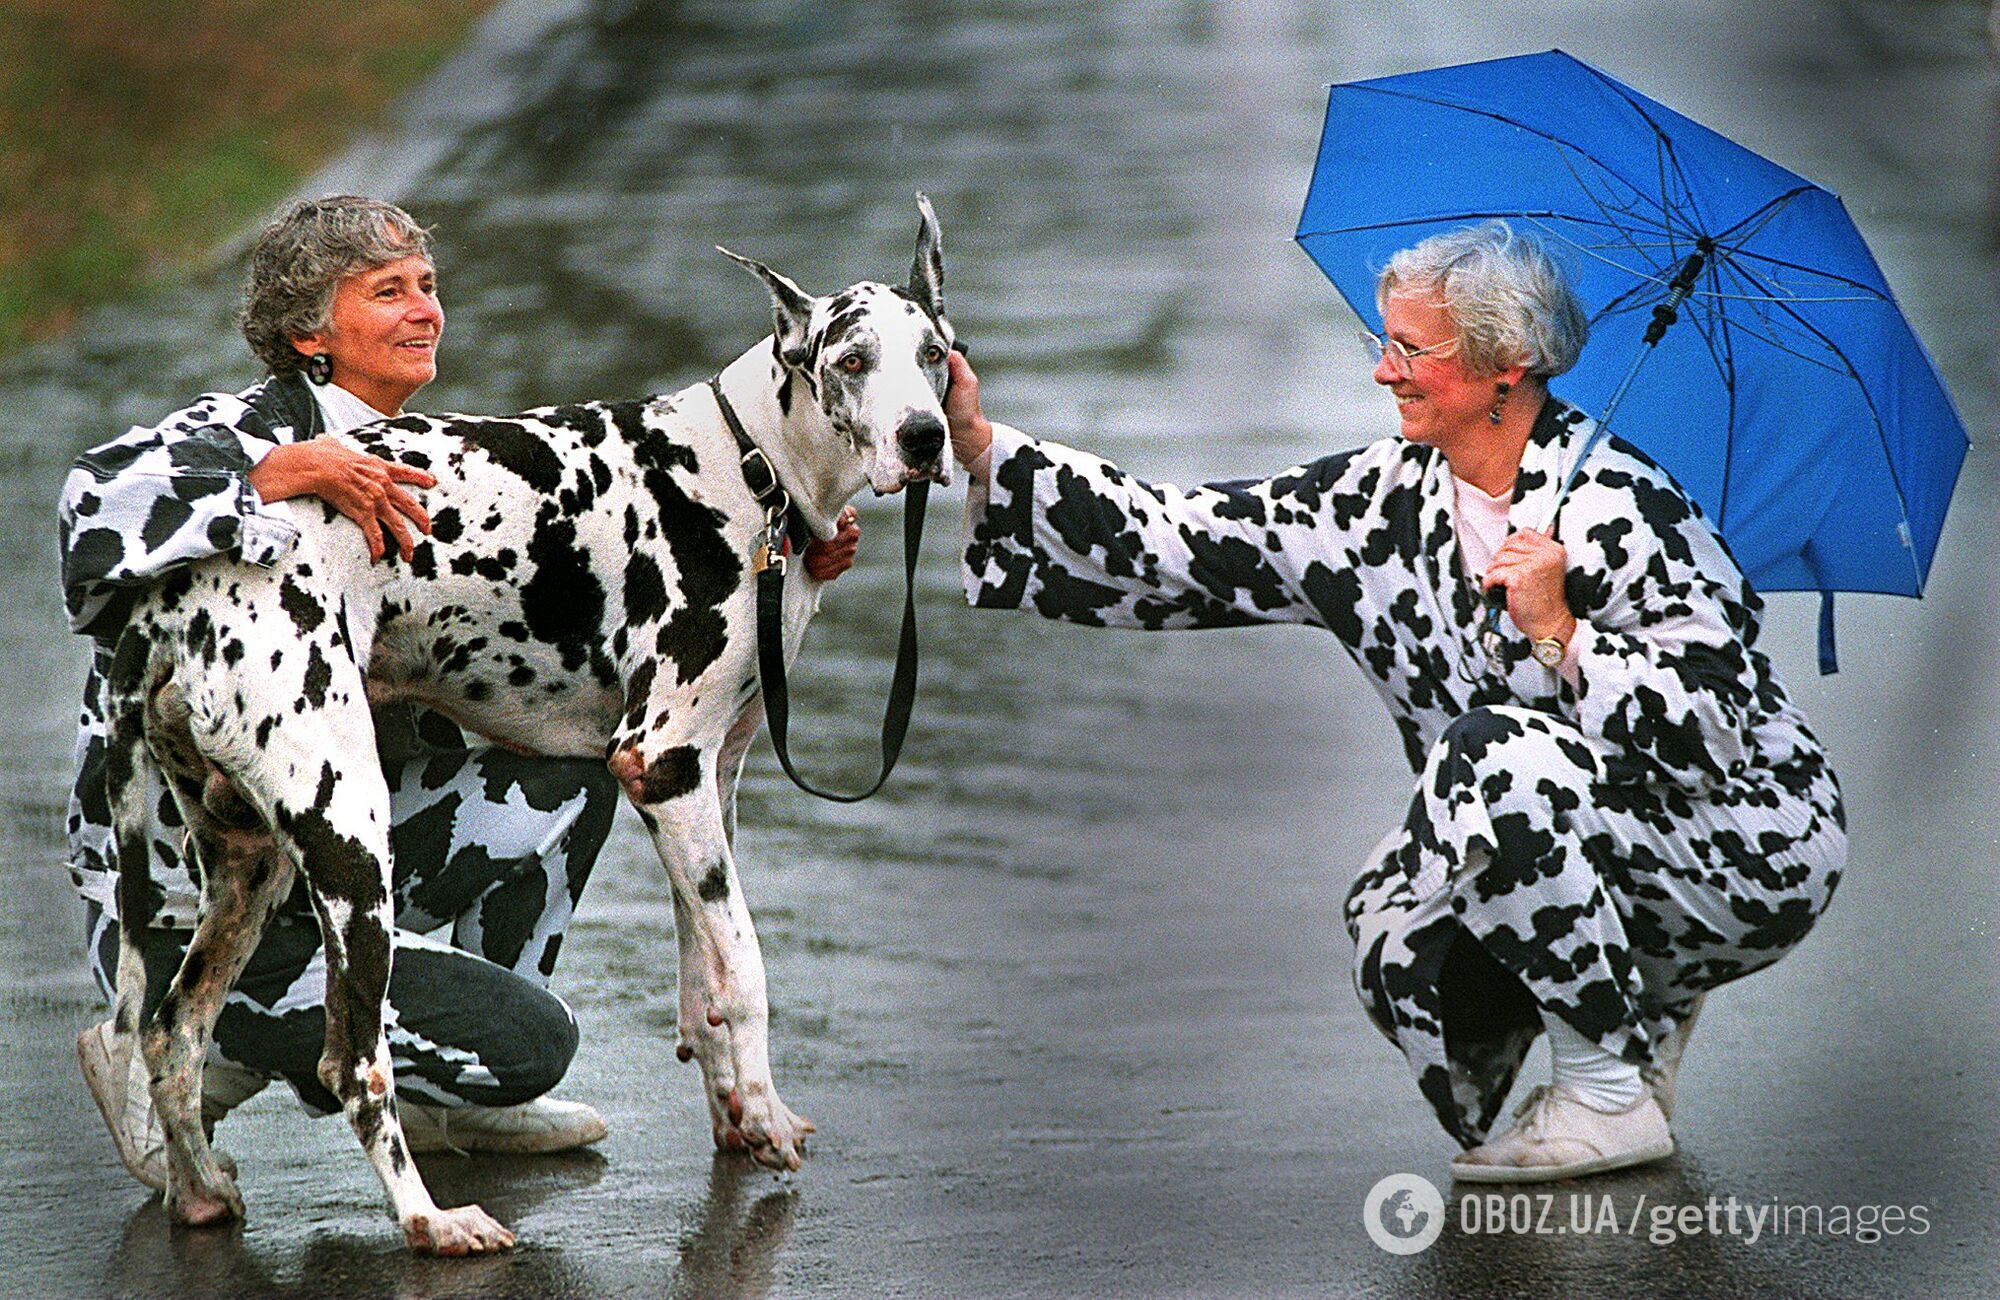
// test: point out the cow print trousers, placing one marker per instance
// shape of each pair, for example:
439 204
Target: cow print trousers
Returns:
491 851
1522 883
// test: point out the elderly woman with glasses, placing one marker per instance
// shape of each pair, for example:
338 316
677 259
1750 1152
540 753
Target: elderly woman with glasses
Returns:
1618 806
492 849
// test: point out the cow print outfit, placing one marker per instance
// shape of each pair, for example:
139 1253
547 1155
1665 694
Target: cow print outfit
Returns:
496 846
1602 853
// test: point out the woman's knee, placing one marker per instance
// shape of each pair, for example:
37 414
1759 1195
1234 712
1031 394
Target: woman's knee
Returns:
526 1044
479 1032
547 1041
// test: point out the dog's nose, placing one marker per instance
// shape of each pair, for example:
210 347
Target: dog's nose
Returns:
921 437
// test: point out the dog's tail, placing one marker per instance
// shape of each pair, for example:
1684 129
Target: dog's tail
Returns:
126 687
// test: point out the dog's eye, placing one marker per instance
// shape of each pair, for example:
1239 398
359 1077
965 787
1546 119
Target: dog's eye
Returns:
853 363
933 354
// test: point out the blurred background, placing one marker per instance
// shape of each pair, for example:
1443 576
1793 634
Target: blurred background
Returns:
1069 1001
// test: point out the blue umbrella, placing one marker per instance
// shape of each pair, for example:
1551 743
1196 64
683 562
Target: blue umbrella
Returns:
1741 333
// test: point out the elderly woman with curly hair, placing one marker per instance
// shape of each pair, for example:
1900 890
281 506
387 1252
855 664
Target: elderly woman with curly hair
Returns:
1618 807
492 849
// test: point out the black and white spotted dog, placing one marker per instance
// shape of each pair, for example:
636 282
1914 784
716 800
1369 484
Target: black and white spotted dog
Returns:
585 590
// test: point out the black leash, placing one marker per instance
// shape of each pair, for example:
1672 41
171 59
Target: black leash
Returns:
768 563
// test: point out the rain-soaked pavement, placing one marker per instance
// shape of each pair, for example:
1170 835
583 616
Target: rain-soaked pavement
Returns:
1069 1001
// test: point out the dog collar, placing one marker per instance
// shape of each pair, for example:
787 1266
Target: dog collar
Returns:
783 524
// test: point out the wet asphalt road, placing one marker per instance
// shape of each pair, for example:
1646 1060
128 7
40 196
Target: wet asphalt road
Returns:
1069 1002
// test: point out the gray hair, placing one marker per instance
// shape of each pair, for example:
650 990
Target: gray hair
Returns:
1511 301
301 258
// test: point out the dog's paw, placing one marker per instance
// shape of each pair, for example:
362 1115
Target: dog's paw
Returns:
467 1230
765 1129
205 1206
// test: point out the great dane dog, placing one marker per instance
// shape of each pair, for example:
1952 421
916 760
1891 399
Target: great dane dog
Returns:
585 590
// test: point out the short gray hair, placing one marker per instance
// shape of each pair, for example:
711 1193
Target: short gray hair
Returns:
301 258
1511 301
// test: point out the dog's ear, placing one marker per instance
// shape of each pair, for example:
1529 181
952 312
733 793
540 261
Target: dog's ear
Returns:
927 271
791 306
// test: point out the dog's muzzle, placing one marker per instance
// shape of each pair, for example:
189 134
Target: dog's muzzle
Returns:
921 439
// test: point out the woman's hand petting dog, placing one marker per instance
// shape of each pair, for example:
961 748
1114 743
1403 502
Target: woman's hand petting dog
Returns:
362 487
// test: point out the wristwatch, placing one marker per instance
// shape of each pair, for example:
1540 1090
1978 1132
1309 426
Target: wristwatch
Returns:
1548 652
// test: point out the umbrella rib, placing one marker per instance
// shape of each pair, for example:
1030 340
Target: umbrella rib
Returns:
1634 211
1642 245
1771 340
1665 145
1629 212
1725 364
1658 279
1770 335
1654 275
1774 290
1557 141
1437 218
1868 291
1620 219
1622 303
1660 162
1765 214
1788 297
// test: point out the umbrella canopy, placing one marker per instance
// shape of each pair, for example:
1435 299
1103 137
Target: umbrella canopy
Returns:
1791 399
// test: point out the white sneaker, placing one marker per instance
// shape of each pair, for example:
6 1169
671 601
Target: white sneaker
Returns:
537 1127
119 1085
1665 1070
1560 1137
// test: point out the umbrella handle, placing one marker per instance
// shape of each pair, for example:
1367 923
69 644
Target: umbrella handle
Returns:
1668 311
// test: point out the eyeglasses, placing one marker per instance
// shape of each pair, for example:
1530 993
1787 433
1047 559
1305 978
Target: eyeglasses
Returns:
1399 356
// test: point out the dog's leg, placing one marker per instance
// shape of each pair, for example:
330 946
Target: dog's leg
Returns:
725 1018
243 878
316 781
127 793
125 789
695 986
729 764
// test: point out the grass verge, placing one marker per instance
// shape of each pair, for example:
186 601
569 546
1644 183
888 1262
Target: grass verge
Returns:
138 133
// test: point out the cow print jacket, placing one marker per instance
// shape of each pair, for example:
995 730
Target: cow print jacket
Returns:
138 507
1674 695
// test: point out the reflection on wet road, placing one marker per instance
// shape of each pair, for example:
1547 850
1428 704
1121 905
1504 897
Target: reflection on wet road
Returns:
1069 1001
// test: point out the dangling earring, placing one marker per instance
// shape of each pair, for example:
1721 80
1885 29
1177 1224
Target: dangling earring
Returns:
319 369
1500 399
